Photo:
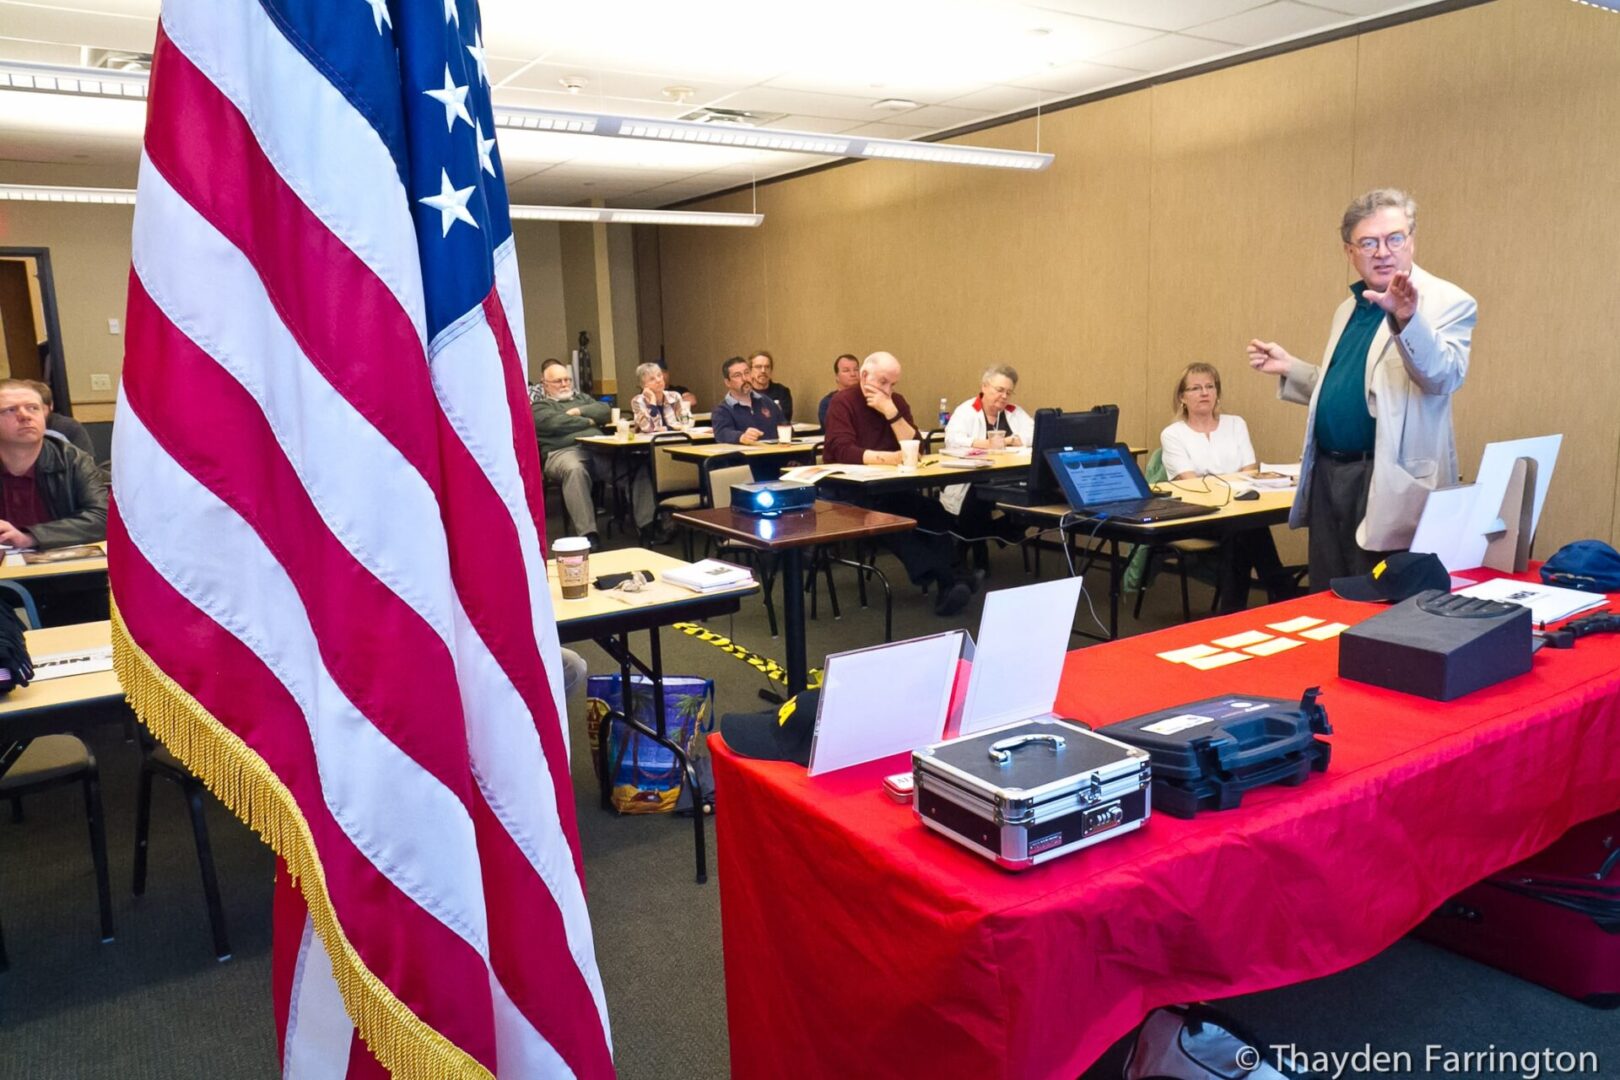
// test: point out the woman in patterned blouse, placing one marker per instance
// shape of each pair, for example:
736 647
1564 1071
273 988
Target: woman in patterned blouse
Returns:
656 409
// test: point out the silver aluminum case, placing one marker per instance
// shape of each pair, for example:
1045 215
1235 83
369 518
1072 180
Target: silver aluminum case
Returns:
1011 818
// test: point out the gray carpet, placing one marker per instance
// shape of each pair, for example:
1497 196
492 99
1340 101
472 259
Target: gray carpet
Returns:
155 1003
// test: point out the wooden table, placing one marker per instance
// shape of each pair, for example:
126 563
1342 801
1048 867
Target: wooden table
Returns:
609 622
698 453
929 473
787 535
1234 515
65 704
21 571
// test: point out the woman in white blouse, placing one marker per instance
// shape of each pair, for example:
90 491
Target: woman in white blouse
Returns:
1204 442
975 424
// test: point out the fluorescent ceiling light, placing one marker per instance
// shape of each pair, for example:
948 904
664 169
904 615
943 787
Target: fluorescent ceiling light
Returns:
751 138
57 79
51 78
35 193
126 197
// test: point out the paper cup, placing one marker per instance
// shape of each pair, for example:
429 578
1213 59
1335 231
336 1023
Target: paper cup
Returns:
573 554
909 449
613 416
784 433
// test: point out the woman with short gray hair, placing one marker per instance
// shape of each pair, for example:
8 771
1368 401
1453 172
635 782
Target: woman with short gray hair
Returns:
656 409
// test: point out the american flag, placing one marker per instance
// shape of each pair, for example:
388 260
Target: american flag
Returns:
330 593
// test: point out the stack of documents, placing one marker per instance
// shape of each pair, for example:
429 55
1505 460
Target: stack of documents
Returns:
1547 603
965 459
708 576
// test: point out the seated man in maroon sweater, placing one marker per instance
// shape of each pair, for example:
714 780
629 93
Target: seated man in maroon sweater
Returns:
865 424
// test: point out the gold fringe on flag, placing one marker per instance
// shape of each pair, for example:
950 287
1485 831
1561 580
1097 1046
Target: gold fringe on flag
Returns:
402 1042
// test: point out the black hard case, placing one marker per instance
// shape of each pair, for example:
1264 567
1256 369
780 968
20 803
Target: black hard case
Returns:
1207 753
1039 802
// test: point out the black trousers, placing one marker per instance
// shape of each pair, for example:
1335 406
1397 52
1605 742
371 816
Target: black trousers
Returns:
1338 503
1250 550
928 556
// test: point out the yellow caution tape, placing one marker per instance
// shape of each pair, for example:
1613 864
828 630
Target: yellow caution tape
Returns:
766 666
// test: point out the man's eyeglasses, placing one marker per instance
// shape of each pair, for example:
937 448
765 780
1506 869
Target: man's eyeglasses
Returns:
1394 242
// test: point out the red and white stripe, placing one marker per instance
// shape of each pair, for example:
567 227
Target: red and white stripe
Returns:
326 530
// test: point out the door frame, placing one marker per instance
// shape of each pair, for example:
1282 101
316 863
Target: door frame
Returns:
56 362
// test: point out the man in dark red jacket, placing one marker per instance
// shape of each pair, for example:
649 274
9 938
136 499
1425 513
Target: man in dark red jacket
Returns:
865 425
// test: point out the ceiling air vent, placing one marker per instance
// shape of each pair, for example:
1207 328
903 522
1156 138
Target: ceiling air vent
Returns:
116 59
731 116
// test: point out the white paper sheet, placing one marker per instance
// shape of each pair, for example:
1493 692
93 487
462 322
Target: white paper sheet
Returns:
1274 646
1237 641
1191 652
1547 603
1446 530
1495 466
61 665
1325 631
884 700
1220 659
1018 657
1294 626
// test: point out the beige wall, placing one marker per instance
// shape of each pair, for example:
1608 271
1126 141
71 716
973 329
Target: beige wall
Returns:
89 247
1179 221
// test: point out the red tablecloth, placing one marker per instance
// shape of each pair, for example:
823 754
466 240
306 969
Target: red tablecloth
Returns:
857 944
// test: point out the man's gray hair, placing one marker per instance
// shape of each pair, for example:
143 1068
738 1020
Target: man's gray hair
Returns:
647 371
1374 201
1004 370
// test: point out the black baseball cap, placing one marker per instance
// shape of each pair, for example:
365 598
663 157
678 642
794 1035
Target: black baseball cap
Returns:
781 734
1402 575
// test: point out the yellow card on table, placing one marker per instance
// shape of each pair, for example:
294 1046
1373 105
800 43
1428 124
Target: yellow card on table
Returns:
1325 631
1191 652
1220 659
1294 626
1275 645
1237 641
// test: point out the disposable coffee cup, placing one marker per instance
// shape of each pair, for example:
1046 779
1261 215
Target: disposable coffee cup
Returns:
784 433
573 555
909 449
613 416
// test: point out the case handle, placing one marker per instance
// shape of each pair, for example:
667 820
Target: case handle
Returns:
1001 752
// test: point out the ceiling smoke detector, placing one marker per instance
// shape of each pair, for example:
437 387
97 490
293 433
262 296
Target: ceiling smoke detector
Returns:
896 104
574 83
681 94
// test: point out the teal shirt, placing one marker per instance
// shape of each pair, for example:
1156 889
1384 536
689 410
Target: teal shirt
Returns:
1343 423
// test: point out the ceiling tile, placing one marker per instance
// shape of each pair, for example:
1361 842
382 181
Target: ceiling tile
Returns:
1157 14
936 117
825 125
888 131
1168 53
1075 79
1363 8
1003 99
38 52
1274 22
771 99
72 26
542 99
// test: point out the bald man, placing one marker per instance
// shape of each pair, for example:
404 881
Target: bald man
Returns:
865 424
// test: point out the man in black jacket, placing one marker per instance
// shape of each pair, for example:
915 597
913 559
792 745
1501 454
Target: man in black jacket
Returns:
52 494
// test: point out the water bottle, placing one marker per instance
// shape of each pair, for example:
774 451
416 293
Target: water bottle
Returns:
944 411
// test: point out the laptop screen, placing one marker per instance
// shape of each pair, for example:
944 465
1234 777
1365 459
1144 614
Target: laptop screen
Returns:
1094 475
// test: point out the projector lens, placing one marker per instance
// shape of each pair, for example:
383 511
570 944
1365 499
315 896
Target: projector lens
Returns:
766 499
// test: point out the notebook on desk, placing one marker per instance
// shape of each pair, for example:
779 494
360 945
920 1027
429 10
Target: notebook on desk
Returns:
1104 481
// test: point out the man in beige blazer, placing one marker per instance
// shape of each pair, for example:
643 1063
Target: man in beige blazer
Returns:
1378 438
